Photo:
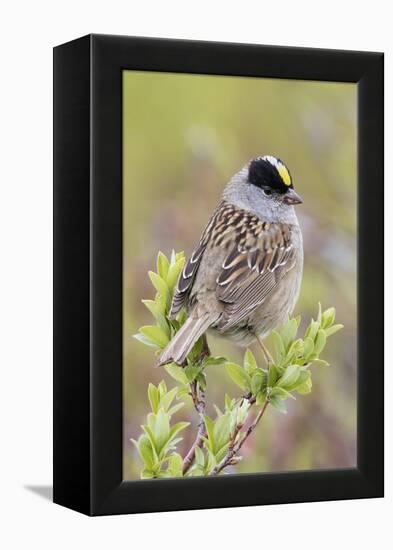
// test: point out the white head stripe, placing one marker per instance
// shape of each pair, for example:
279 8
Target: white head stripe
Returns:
271 159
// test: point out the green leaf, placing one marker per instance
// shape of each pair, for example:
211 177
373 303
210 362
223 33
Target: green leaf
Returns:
312 330
151 418
181 317
308 348
222 431
167 398
320 342
182 392
192 372
195 352
159 284
305 388
239 376
261 398
278 404
258 380
221 452
175 408
173 273
145 340
148 474
154 397
228 402
272 376
154 307
282 393
163 474
145 450
242 411
279 348
321 362
290 376
176 428
328 317
201 379
332 330
249 362
175 465
296 350
209 361
156 310
304 375
161 430
195 471
176 372
149 432
210 431
298 320
171 445
211 462
155 334
163 303
288 333
162 265
319 317
199 457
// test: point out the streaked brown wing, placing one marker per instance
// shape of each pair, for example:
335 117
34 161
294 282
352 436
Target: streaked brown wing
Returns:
186 280
252 270
187 276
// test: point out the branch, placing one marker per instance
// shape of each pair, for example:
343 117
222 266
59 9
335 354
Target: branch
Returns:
198 398
234 449
290 374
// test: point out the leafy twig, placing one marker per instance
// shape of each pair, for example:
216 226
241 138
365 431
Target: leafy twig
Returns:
233 450
218 441
198 397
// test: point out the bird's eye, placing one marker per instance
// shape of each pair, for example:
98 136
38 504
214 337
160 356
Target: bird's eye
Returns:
267 192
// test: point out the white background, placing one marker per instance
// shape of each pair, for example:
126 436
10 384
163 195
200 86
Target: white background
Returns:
29 30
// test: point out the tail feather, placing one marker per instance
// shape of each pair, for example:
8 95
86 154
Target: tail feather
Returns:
181 344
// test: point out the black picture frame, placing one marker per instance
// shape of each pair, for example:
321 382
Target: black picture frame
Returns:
88 274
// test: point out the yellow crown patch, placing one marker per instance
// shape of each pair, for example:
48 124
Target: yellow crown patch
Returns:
283 171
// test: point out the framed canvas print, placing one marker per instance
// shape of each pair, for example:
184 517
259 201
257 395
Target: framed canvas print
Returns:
218 275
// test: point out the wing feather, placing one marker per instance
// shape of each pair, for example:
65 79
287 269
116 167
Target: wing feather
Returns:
187 276
186 280
259 255
251 271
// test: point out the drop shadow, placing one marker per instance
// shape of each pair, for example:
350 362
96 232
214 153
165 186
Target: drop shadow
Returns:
44 491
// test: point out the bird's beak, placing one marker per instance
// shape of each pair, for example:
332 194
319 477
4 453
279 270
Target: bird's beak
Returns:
291 197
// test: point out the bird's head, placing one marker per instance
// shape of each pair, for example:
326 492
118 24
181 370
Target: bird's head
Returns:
272 177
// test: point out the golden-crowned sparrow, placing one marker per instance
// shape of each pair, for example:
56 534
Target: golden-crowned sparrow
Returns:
244 277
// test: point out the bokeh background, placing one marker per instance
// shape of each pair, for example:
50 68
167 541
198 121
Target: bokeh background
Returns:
184 136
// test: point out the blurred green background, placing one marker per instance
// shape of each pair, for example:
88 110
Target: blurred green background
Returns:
184 136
